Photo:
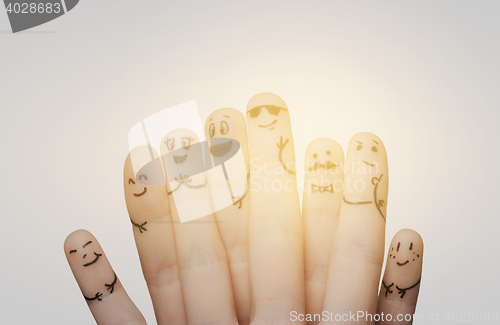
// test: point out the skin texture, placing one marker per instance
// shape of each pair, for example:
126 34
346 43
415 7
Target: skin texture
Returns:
232 221
202 259
359 240
323 184
156 244
206 271
113 307
275 223
403 270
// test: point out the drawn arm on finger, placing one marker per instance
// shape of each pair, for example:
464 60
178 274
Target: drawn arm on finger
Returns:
240 200
402 291
282 146
96 297
355 203
196 186
387 288
140 226
185 179
378 203
111 286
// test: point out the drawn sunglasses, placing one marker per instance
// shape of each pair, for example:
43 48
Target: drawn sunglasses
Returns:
273 110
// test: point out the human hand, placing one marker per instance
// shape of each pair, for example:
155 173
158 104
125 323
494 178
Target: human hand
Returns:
247 262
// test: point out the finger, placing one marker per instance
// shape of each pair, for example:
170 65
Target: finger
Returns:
203 266
358 247
147 204
323 182
399 291
222 128
275 224
107 299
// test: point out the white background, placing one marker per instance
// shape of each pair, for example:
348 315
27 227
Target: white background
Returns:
423 75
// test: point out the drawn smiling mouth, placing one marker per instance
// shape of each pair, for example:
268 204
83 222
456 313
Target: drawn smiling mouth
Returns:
222 149
180 159
401 264
268 125
142 193
369 164
95 260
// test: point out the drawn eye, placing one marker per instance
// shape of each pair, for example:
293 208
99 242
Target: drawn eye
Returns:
186 142
328 152
359 147
224 127
411 246
170 143
254 112
374 149
143 176
131 181
211 130
315 155
72 251
273 110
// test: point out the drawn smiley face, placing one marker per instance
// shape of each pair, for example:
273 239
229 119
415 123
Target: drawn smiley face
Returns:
184 142
92 258
366 172
265 109
131 182
220 129
368 150
403 254
322 160
182 157
226 132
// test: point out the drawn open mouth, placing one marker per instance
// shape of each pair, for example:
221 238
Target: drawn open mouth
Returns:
369 164
266 126
142 193
95 260
401 264
222 149
180 159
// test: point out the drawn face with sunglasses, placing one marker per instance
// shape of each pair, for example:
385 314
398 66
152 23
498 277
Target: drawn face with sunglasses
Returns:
267 119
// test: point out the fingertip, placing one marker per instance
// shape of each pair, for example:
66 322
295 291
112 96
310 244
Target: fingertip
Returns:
226 123
367 139
366 135
330 147
229 111
411 236
406 248
138 158
408 233
177 134
142 151
75 238
266 98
